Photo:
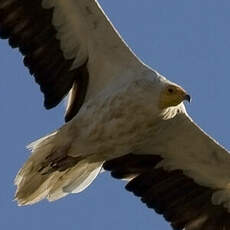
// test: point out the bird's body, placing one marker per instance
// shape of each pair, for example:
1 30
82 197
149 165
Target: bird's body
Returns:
121 115
120 125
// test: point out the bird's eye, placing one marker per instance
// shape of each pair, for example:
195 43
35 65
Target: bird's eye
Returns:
170 90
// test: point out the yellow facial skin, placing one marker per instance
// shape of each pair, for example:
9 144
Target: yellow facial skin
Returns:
172 95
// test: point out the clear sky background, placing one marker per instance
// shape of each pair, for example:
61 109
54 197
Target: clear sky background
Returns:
187 41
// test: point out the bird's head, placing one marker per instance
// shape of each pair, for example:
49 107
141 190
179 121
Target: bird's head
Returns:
172 95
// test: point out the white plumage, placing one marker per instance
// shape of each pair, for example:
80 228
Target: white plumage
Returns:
120 112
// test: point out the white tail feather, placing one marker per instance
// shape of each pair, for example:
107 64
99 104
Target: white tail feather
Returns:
85 179
40 149
33 185
75 180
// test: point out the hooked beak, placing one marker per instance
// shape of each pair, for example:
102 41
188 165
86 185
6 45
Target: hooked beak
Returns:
187 98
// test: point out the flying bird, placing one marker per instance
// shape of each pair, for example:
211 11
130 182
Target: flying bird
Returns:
121 116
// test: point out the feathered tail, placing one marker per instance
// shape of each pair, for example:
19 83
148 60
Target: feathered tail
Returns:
50 173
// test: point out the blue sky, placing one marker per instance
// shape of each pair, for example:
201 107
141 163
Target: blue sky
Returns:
187 41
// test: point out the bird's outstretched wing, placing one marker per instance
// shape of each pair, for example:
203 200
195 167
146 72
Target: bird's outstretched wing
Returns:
182 174
67 45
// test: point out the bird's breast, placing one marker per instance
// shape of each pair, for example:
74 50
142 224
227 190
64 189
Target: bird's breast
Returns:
117 123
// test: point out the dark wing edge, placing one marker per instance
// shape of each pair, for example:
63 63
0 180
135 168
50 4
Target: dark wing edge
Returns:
182 202
28 26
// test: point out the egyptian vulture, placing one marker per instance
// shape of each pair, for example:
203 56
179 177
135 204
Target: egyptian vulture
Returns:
121 116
